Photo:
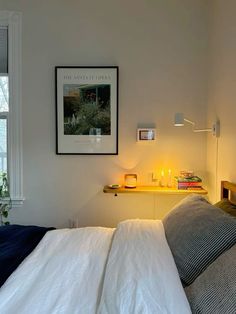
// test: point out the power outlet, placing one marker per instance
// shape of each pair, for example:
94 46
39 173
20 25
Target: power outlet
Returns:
74 223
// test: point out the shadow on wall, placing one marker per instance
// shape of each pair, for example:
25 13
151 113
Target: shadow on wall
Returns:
107 210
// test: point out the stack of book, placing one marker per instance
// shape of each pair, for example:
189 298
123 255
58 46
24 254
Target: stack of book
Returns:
189 183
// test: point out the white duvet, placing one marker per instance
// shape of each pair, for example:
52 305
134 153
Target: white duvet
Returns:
126 270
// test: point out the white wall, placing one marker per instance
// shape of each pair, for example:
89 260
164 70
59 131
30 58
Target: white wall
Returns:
222 92
160 47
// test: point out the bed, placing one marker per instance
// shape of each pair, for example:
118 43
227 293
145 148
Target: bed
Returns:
142 266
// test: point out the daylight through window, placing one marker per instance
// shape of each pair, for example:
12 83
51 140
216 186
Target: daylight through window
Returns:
11 103
4 97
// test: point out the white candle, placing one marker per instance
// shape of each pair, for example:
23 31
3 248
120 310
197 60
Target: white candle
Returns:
162 181
169 183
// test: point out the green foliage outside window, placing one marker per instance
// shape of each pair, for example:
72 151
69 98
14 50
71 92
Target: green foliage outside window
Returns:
5 199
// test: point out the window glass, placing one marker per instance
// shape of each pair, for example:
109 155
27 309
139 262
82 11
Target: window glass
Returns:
10 103
4 94
3 144
4 98
3 49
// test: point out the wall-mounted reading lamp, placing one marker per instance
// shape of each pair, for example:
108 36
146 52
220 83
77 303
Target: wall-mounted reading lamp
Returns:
180 119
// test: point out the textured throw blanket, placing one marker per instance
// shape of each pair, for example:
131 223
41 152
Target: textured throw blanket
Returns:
16 242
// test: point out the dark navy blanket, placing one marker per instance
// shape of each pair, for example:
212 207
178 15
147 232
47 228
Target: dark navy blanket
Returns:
16 242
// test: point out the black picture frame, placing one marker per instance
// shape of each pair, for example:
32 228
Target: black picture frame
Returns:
86 110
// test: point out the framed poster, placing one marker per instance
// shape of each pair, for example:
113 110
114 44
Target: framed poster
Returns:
86 110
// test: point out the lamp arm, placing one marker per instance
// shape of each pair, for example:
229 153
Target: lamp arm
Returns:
197 130
189 121
202 130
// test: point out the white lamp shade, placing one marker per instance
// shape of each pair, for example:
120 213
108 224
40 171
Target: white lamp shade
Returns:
179 119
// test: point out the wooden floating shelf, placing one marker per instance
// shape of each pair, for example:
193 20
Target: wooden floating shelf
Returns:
152 189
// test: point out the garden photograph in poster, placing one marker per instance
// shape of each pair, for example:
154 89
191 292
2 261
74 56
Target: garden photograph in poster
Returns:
87 110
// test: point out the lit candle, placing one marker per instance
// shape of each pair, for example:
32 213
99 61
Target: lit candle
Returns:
162 181
169 183
130 180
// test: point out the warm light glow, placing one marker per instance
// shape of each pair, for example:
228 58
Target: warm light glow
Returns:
179 124
130 180
128 162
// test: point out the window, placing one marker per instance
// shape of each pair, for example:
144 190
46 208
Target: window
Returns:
10 102
4 97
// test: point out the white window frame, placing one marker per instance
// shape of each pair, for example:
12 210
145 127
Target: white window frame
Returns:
12 20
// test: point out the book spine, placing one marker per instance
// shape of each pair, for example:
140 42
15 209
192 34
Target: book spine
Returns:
190 188
189 183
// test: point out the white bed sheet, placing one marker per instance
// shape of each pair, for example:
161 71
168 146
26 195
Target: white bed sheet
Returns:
141 276
62 275
128 270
